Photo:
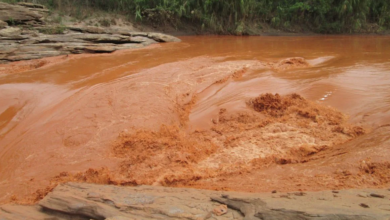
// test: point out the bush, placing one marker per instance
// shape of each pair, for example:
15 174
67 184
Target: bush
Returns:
325 16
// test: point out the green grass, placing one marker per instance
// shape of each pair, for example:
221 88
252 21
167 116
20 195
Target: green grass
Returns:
58 29
233 16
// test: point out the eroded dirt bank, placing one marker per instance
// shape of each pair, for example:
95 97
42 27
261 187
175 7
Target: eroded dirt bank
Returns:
255 116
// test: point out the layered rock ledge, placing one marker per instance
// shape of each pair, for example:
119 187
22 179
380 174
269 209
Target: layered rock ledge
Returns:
104 202
24 35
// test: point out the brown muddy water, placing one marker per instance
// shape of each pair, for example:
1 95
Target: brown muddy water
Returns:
196 114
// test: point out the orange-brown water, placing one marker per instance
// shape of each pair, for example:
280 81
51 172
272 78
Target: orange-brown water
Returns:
86 111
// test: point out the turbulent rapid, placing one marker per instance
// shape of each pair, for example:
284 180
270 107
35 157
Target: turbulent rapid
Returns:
247 114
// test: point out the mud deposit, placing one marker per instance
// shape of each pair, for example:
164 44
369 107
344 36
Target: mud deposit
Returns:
249 114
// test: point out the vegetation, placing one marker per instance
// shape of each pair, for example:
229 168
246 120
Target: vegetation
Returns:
58 29
236 16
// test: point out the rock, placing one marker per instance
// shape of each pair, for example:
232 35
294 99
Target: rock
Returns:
90 201
3 24
88 29
256 209
34 7
362 195
31 56
16 38
101 49
140 39
299 194
7 49
10 32
78 206
136 34
120 218
285 196
30 52
104 38
364 205
17 212
79 48
163 37
30 33
220 210
31 5
58 38
54 40
16 14
225 196
377 195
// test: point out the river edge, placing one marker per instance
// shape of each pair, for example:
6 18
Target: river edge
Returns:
359 206
26 34
90 201
29 32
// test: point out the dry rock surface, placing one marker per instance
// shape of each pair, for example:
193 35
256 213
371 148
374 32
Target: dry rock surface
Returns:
22 37
89 201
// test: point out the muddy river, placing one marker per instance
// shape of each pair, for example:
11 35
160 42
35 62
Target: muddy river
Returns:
202 113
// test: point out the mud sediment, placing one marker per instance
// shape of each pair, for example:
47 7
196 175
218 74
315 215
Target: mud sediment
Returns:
275 130
268 143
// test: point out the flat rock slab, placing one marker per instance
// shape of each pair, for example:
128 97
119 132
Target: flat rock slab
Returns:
35 46
3 24
29 44
90 201
17 13
10 31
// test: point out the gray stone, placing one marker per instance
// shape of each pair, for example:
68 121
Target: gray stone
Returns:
89 201
31 5
17 14
104 38
58 38
3 24
15 38
28 43
10 32
17 212
255 209
163 37
100 49
120 218
37 53
88 29
139 39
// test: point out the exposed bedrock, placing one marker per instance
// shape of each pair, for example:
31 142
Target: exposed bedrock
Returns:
25 36
100 202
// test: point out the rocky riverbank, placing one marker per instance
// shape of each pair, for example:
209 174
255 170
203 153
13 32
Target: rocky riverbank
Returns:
89 201
24 35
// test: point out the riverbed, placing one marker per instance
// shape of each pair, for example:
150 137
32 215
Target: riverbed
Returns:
91 118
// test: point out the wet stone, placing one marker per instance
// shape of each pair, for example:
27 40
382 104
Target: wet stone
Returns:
377 195
299 194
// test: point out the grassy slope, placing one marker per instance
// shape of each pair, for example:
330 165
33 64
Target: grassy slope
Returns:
244 16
